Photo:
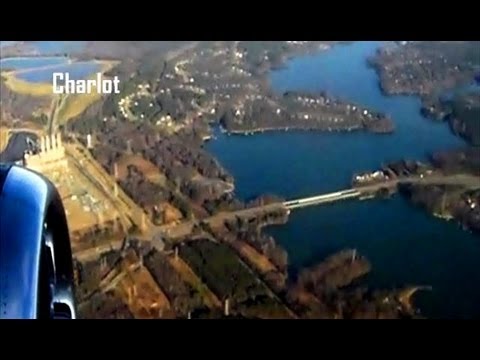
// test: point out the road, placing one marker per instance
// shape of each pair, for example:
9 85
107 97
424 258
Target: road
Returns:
180 231
185 228
467 181
96 252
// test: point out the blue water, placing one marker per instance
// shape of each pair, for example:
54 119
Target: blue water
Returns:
47 47
57 47
6 43
76 71
405 244
17 63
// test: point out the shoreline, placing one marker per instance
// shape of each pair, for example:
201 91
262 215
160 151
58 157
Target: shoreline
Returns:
260 130
289 128
23 87
255 131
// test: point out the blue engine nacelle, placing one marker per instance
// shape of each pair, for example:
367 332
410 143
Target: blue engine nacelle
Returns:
36 270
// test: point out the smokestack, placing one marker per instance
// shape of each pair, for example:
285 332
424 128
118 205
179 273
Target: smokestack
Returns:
42 144
89 141
115 170
100 217
59 140
227 307
47 143
144 223
115 226
129 295
103 264
53 140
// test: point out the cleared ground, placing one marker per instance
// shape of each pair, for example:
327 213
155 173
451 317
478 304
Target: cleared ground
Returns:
85 204
74 105
26 88
3 138
140 292
96 174
142 295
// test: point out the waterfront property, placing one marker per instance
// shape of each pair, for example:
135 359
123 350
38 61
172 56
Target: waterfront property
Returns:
404 243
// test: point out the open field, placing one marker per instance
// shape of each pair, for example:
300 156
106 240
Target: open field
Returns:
70 106
26 88
125 206
74 105
3 138
143 297
85 205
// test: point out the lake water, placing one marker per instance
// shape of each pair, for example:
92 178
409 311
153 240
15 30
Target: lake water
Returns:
19 63
47 47
57 47
76 71
6 43
405 244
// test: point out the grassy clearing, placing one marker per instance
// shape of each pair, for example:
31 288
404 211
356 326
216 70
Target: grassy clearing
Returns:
72 105
142 295
75 104
3 138
26 88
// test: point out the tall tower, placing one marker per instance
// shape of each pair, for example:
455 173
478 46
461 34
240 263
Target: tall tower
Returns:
227 307
42 144
53 141
143 224
47 143
115 170
89 141
59 140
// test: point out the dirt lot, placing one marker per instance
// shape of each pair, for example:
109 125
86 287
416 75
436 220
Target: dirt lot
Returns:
85 205
142 295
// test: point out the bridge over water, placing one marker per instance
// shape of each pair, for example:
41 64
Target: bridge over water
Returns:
465 180
182 230
322 199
